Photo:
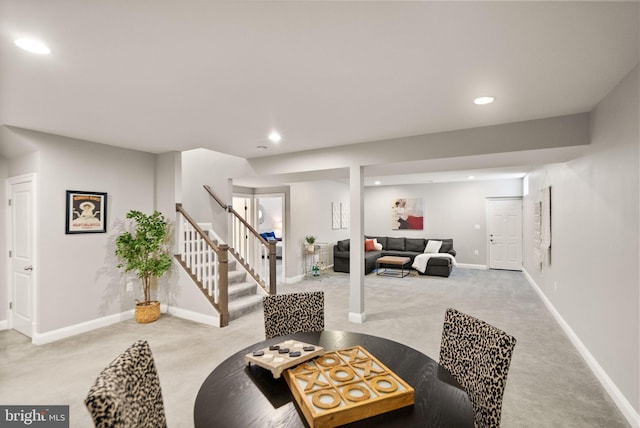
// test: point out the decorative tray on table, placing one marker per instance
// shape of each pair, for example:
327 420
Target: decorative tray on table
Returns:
277 358
344 386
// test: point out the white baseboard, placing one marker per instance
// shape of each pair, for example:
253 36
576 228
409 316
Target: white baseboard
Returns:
72 330
4 325
471 266
293 279
619 399
194 316
357 318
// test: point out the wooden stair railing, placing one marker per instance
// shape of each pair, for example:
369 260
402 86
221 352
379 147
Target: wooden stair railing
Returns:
206 263
250 249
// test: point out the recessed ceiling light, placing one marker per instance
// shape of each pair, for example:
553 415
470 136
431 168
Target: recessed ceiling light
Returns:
33 46
377 183
274 137
484 100
472 177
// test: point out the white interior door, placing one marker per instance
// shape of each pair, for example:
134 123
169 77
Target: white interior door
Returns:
505 233
22 226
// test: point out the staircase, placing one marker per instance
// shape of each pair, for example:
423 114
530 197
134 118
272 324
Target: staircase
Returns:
243 292
232 285
244 297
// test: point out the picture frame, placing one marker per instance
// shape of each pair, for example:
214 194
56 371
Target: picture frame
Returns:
335 215
407 213
344 216
86 212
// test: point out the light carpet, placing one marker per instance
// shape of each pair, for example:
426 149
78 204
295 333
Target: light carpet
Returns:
549 384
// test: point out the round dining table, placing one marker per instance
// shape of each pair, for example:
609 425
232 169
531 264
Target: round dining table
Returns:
237 394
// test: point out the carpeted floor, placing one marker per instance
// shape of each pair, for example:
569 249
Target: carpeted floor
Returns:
549 384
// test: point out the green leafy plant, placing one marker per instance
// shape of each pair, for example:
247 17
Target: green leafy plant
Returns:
310 239
146 252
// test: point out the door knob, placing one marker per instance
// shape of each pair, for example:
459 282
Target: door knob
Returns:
28 267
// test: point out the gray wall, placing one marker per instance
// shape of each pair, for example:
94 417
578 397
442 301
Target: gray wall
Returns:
593 278
451 210
200 167
78 278
311 215
4 305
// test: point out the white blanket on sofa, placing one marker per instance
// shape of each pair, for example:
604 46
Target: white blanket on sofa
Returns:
421 260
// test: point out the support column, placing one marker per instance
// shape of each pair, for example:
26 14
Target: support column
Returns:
356 252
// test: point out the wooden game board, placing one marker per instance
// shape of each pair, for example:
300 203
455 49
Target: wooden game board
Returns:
344 386
275 361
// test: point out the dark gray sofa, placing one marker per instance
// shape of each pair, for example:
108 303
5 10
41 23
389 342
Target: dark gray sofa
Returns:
401 247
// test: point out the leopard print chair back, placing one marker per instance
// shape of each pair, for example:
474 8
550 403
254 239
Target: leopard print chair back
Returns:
478 356
127 392
293 313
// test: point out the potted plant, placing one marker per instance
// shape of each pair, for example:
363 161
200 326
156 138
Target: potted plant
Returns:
145 252
310 240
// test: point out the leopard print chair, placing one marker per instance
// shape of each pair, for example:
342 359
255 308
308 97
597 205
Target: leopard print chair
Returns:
478 356
127 393
293 313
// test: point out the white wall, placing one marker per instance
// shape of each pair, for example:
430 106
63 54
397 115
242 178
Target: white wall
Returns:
451 210
200 167
272 214
593 277
311 215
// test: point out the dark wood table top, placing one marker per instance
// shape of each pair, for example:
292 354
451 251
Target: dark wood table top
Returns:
238 395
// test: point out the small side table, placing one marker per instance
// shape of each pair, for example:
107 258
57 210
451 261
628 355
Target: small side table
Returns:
316 262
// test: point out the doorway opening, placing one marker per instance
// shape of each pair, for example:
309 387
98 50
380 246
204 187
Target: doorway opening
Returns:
265 213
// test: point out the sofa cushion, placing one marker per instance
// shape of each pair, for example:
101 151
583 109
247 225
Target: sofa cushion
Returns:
343 245
396 244
396 253
447 245
414 244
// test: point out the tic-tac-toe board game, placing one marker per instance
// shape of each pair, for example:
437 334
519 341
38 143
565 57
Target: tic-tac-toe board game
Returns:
344 386
289 353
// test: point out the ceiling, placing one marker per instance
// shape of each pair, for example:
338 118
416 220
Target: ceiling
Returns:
160 75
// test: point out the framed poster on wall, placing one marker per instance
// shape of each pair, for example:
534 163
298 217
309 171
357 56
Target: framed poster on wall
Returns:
86 212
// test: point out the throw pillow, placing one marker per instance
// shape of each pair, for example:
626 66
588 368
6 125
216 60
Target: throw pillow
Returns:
378 246
433 246
369 245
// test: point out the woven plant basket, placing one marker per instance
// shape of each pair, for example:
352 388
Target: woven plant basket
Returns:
147 313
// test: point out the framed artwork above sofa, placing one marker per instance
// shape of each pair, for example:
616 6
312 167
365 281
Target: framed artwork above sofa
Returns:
407 214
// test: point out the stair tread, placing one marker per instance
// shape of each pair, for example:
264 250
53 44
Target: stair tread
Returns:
246 300
241 289
244 305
